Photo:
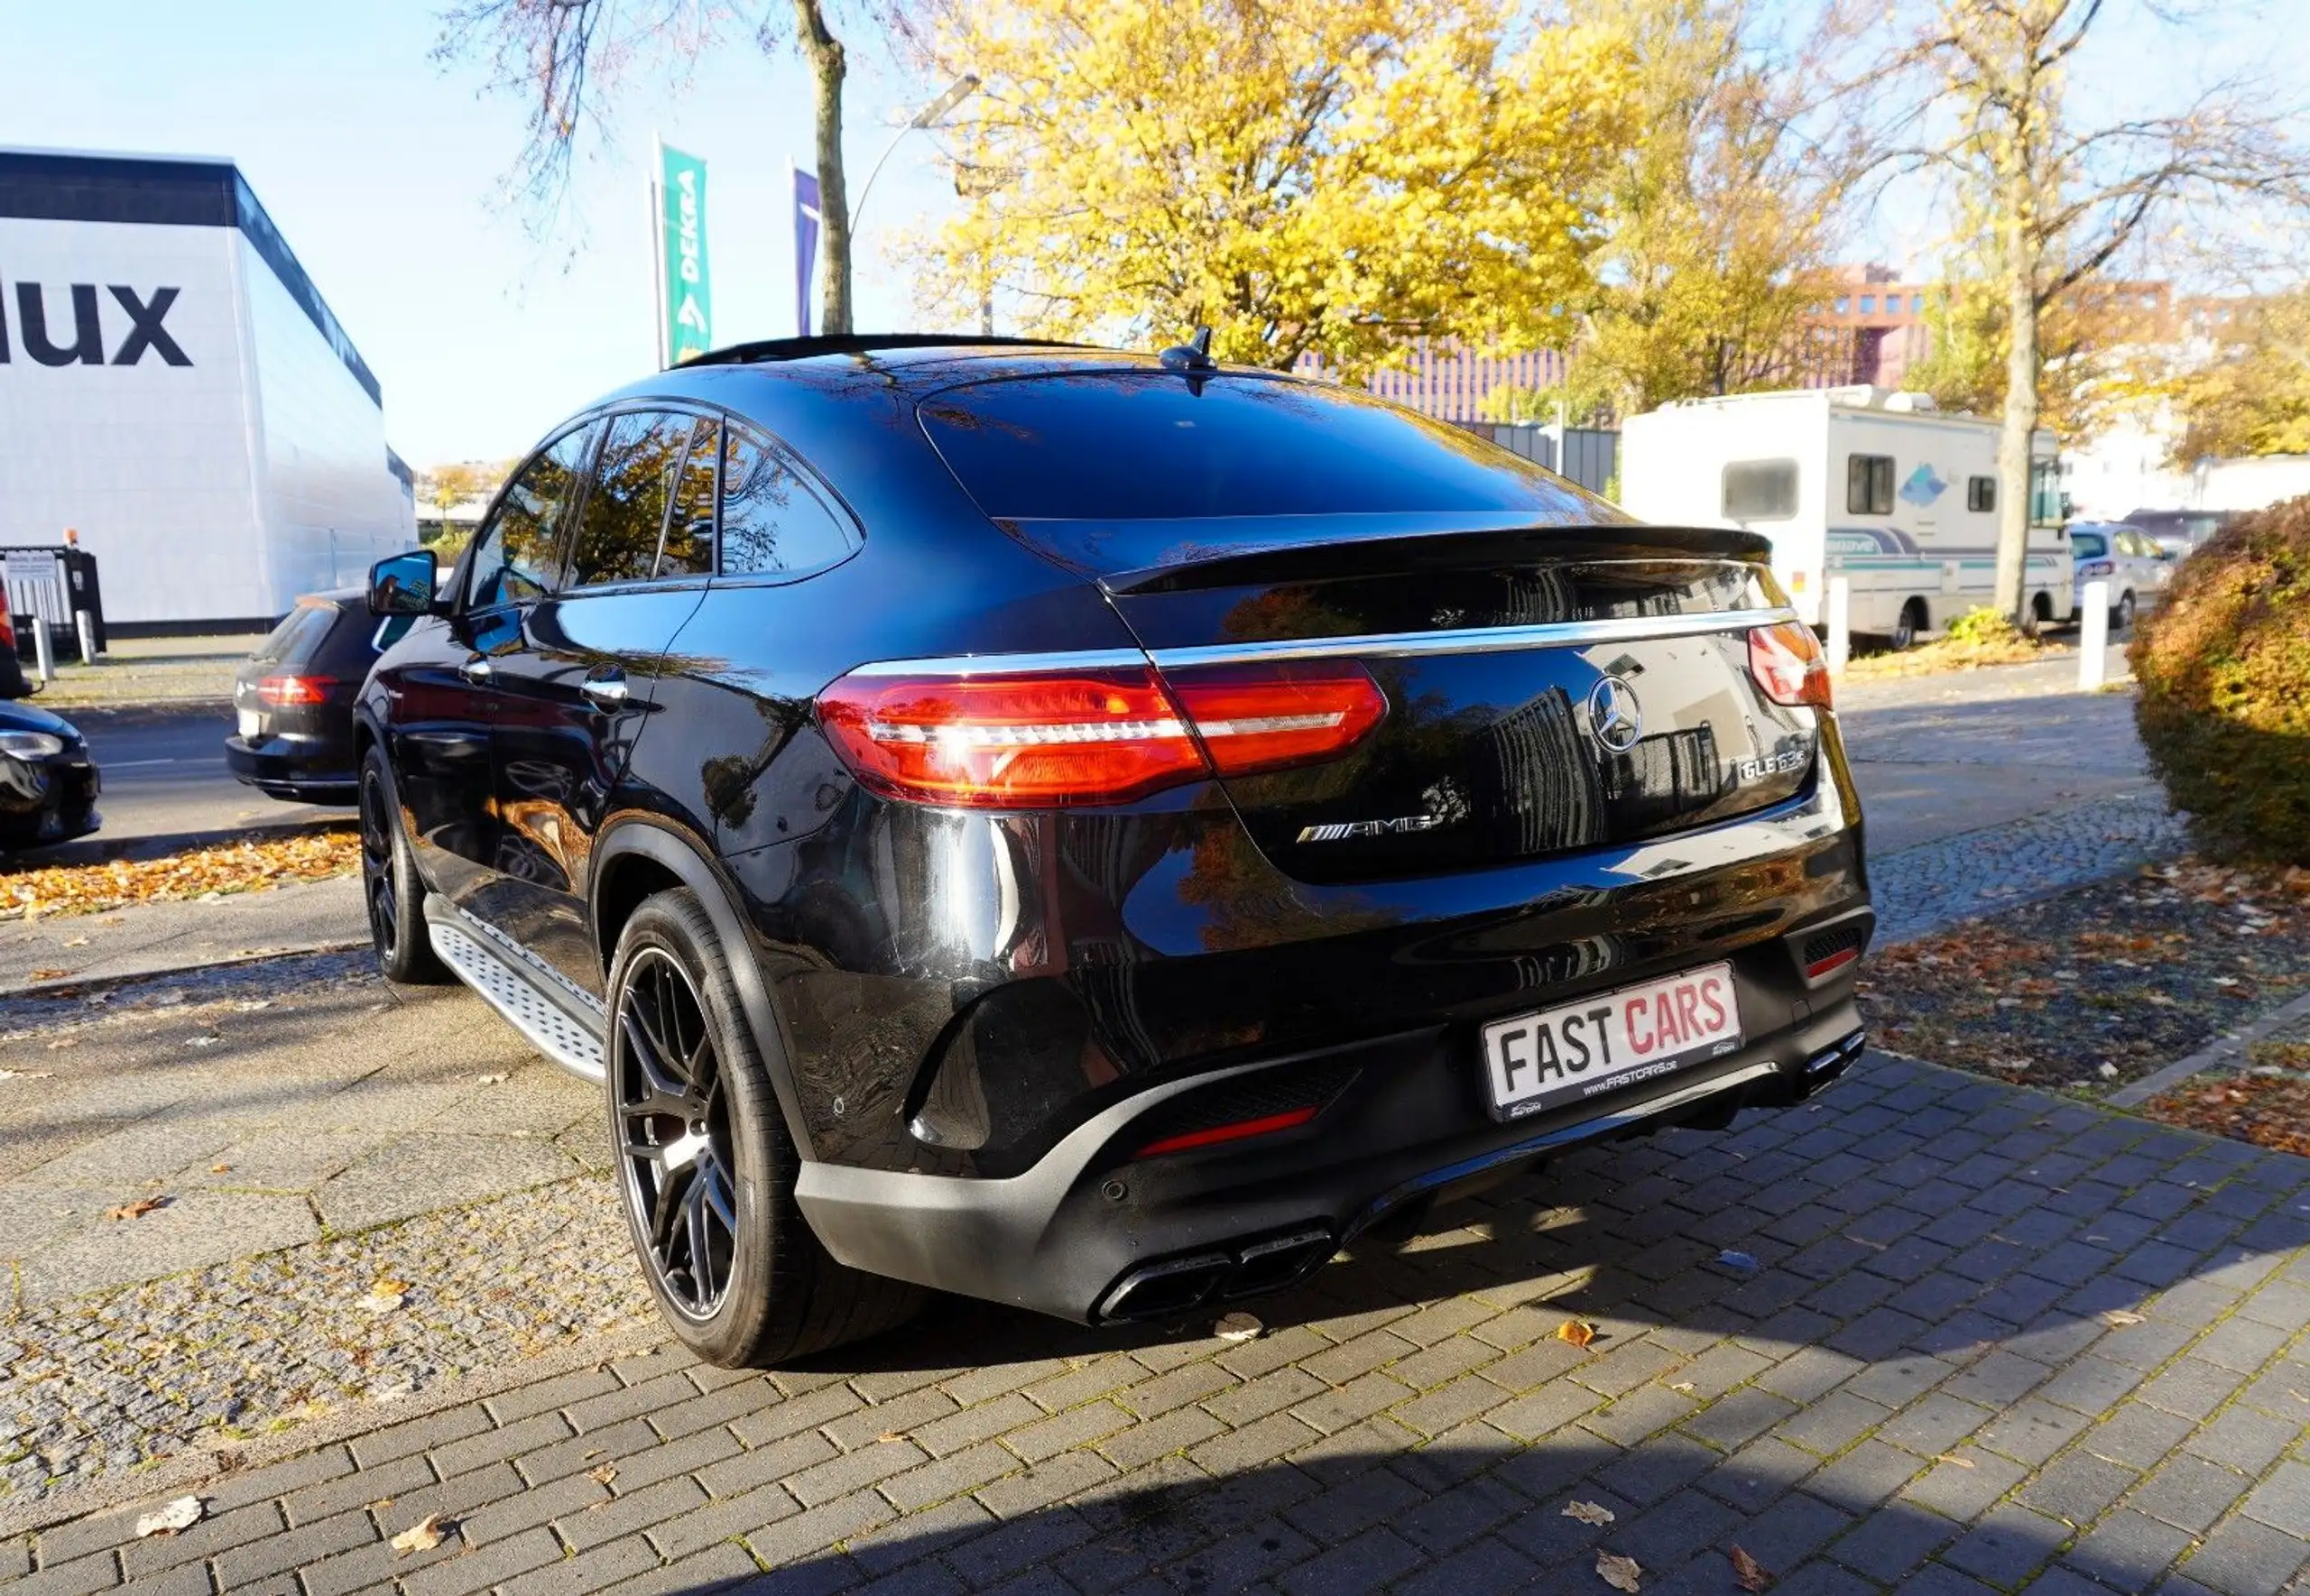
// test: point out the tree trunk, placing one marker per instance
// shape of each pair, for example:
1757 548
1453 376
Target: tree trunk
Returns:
824 53
2020 413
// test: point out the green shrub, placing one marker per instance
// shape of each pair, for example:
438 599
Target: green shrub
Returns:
1983 627
2224 669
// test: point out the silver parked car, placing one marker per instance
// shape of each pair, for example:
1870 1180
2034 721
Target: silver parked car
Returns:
2125 557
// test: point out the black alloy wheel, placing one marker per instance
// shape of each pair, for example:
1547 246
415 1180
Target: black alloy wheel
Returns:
674 1143
391 889
706 1164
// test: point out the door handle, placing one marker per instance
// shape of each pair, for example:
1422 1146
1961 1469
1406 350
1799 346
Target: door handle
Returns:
607 690
475 669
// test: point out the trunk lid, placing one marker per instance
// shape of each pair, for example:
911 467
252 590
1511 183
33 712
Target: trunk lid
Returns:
1549 690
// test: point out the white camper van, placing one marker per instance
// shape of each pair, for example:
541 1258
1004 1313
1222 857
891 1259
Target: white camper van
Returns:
1862 482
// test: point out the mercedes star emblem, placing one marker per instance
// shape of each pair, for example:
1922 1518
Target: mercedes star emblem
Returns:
1614 717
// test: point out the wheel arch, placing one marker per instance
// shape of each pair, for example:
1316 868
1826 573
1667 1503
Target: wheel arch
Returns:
635 858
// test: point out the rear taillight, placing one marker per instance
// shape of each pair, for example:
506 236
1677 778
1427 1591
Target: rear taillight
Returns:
285 692
1040 741
1789 665
7 626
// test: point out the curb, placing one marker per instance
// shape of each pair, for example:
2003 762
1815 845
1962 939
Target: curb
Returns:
2230 1048
74 985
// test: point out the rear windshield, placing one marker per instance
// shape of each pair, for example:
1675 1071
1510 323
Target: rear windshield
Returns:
1147 446
2088 544
298 635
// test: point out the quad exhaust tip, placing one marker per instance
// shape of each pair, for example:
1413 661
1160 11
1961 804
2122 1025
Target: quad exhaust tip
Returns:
1180 1285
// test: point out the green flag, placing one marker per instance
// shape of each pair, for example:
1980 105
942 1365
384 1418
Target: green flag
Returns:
687 300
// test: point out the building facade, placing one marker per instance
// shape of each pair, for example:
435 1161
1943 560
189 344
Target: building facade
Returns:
174 388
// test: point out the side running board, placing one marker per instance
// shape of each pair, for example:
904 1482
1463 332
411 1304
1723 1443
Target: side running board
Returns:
552 1024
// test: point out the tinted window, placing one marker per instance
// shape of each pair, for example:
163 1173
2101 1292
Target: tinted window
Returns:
1142 445
2087 545
1981 493
1760 490
690 530
517 559
625 512
292 641
1869 485
771 520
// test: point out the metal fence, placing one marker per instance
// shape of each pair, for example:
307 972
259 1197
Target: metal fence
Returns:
1589 455
48 587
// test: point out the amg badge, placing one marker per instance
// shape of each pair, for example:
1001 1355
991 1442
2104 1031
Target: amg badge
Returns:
1344 830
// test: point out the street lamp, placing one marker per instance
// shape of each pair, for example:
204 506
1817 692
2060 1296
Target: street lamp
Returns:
959 90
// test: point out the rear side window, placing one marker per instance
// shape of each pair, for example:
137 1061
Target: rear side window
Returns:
518 558
1759 490
625 512
1130 445
690 528
1869 485
772 521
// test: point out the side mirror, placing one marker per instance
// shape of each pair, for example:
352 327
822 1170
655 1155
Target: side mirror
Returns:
403 584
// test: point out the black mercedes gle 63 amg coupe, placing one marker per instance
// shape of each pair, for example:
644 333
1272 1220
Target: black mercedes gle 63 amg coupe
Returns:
1094 831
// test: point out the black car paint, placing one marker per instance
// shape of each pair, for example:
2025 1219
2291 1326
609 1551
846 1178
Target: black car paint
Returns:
1091 959
51 799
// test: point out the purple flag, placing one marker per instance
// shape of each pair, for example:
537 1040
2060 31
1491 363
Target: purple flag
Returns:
805 245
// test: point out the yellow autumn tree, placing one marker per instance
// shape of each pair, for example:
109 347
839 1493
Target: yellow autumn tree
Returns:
1336 177
2246 390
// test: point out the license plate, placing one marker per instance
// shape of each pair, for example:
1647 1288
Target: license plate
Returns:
252 721
1581 1050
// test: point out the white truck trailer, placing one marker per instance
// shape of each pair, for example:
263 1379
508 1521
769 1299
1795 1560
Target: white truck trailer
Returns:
1878 487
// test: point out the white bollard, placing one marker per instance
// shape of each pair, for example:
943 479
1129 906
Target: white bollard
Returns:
2093 637
43 650
1840 623
86 625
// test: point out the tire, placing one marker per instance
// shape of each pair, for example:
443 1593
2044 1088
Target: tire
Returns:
768 1292
391 889
2122 616
1905 631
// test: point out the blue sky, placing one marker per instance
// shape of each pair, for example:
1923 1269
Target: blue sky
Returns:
382 169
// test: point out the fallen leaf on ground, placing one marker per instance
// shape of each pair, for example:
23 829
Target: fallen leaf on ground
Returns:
1578 1331
602 1475
138 1209
75 942
220 1169
379 1301
2120 1318
195 873
1588 1512
22 1074
1737 1261
1238 1327
1748 1572
488 1080
1685 1385
1621 1574
424 1535
180 1514
50 975
1947 1457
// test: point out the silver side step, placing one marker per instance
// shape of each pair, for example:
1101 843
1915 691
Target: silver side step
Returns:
550 1028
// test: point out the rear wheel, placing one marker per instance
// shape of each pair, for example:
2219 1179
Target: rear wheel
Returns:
390 887
1912 624
706 1168
2122 617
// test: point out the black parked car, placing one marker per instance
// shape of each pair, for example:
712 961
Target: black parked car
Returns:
292 699
48 782
1091 831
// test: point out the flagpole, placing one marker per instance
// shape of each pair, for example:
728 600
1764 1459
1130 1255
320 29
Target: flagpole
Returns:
658 240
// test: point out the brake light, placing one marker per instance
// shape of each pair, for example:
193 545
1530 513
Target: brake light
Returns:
1048 740
284 692
7 626
1789 665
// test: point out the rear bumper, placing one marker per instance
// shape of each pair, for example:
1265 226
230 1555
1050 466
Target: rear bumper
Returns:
1094 1234
311 769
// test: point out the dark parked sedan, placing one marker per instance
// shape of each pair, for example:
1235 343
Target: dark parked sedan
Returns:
48 782
1092 831
293 700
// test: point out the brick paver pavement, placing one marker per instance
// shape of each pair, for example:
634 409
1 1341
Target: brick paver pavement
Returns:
1991 1340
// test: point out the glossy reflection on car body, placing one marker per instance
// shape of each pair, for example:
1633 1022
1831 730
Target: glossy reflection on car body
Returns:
999 705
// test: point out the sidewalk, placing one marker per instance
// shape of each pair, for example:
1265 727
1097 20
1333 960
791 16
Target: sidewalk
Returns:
1987 1340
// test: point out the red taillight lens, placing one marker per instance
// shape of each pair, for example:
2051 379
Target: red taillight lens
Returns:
1042 740
284 692
7 627
1264 717
1789 665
